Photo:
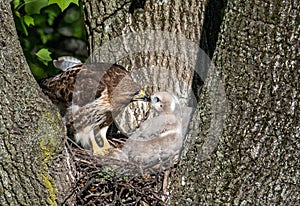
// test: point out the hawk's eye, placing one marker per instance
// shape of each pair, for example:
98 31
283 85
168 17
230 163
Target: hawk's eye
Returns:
155 99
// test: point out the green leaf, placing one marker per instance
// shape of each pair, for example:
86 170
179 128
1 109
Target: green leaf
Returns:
52 11
28 20
16 3
22 26
44 56
37 71
63 4
34 6
43 36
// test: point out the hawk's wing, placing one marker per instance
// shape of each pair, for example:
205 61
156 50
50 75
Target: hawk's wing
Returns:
66 62
83 83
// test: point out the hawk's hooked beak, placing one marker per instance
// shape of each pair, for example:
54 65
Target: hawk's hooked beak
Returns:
141 96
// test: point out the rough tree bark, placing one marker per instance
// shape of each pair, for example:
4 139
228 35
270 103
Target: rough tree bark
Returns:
256 160
34 168
106 20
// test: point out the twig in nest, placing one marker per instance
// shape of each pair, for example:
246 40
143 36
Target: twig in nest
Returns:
106 181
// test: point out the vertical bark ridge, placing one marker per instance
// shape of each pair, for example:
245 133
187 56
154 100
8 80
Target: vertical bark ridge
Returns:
31 131
184 18
257 158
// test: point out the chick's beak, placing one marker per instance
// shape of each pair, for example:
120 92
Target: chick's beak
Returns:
141 96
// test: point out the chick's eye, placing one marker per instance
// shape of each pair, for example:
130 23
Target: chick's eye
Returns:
155 99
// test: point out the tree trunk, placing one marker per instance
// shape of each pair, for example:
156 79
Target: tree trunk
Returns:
256 161
34 164
108 20
249 158
252 156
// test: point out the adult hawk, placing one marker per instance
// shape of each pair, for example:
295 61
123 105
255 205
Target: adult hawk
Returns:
89 95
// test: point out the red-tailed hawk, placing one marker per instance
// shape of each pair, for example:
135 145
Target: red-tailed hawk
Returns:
89 95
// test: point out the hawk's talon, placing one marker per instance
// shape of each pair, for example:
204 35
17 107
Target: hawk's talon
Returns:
102 151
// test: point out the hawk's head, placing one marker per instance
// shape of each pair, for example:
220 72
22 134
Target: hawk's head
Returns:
127 91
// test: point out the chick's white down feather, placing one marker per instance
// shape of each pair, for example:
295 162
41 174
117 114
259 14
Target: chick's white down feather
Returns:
158 138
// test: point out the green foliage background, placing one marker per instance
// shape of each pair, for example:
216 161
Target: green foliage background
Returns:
49 29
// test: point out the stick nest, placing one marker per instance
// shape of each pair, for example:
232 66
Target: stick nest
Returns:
105 181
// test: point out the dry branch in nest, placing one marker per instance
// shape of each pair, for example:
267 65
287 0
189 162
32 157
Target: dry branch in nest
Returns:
106 181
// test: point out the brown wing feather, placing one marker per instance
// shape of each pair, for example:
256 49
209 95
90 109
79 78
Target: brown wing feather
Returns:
87 80
60 88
